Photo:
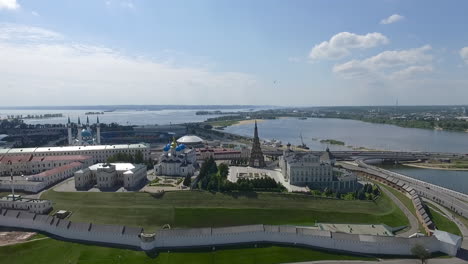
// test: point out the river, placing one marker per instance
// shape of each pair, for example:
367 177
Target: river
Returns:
355 133
374 136
123 117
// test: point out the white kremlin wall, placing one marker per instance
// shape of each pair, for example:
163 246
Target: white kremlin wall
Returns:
196 237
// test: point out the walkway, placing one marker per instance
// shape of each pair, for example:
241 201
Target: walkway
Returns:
413 221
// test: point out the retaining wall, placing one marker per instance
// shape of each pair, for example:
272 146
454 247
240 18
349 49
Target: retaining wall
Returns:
196 237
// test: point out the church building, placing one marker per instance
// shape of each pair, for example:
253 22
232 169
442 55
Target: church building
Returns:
177 160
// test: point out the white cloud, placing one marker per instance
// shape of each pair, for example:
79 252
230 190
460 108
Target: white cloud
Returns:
54 71
9 4
411 72
387 63
392 19
14 32
127 4
464 54
340 45
34 13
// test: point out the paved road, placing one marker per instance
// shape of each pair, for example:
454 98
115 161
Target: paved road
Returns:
413 221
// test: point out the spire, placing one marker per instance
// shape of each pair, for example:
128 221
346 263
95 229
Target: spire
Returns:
87 120
256 130
174 143
97 120
79 122
68 119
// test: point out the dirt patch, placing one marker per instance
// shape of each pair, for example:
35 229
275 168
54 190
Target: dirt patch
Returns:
14 237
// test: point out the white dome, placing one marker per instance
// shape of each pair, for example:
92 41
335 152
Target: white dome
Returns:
190 139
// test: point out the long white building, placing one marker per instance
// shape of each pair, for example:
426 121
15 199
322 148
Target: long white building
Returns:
28 164
100 153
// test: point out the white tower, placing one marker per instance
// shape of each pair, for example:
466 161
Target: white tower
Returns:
79 131
98 132
69 128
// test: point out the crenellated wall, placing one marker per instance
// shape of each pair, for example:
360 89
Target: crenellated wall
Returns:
196 237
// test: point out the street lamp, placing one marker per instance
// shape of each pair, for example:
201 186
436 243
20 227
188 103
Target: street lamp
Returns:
11 178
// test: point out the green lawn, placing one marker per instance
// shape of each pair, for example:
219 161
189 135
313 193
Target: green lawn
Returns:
196 209
50 251
442 222
406 201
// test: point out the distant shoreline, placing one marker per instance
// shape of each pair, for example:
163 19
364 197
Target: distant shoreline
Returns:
419 166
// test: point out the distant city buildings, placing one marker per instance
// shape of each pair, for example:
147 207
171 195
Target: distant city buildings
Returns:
177 160
110 175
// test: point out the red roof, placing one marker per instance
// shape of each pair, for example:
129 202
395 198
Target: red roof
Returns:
15 159
219 150
58 169
61 157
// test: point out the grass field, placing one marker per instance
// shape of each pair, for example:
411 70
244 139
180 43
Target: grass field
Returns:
197 209
442 222
50 251
406 201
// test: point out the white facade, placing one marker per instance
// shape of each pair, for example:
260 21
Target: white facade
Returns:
28 164
37 182
105 176
100 153
196 237
32 205
176 160
306 169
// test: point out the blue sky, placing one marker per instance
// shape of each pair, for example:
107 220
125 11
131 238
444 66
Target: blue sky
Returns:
233 52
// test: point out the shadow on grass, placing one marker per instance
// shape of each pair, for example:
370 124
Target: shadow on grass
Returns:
236 195
158 195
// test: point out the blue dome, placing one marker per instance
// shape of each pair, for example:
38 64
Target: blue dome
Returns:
167 147
86 133
182 146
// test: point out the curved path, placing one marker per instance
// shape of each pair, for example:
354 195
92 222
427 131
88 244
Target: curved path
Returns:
464 230
413 221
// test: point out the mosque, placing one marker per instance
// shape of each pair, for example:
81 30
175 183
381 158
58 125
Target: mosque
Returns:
177 160
84 136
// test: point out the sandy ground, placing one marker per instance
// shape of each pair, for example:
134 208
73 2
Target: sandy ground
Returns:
272 173
7 238
248 121
422 166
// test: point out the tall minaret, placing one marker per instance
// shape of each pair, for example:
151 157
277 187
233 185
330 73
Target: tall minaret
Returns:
98 132
87 122
69 128
80 139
